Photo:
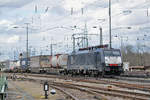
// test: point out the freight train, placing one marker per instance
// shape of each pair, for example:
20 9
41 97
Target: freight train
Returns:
96 60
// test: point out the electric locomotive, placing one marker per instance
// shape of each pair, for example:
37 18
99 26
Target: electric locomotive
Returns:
97 60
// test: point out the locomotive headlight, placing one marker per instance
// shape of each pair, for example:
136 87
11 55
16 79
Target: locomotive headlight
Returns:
106 59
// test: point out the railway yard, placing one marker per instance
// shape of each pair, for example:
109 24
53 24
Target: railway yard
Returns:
74 50
30 87
93 73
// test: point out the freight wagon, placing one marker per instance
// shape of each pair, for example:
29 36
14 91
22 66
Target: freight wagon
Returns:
24 64
10 65
38 64
15 66
58 63
48 64
4 65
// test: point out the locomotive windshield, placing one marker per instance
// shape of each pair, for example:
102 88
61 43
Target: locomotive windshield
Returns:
112 53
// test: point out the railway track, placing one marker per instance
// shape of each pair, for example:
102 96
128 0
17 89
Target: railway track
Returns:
65 92
95 95
132 79
112 92
60 86
138 80
122 84
99 90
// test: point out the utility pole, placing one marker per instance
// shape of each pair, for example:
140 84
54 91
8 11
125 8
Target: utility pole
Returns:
110 24
27 53
85 40
121 40
51 47
101 36
14 55
73 43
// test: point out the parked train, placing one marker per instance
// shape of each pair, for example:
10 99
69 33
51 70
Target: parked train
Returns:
97 60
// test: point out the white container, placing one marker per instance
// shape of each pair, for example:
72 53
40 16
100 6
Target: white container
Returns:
18 64
62 60
54 61
34 62
45 61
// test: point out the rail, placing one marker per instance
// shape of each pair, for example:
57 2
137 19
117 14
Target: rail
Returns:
67 93
99 90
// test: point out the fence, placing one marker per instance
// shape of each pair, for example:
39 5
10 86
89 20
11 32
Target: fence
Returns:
3 87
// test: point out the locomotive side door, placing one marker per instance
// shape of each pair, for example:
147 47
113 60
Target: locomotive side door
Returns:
98 60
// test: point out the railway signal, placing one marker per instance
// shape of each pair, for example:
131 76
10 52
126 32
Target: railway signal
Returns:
46 88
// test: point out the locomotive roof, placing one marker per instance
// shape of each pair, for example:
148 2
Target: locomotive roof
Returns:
95 50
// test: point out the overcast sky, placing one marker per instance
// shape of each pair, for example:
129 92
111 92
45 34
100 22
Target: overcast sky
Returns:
51 21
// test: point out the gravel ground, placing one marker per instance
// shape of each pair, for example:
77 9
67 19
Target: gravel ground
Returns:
16 93
24 90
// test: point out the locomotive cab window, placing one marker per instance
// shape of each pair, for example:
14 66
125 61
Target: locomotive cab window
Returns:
116 53
112 53
107 53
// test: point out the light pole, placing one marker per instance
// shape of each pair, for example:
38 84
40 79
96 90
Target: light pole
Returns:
144 51
110 24
138 51
100 35
73 43
121 38
27 32
27 50
122 45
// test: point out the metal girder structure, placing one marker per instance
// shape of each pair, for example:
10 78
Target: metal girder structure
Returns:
83 37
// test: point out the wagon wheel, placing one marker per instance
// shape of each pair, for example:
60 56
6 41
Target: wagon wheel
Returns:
103 73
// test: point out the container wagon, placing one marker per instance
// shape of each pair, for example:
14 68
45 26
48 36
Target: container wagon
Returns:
48 64
24 64
39 64
58 63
